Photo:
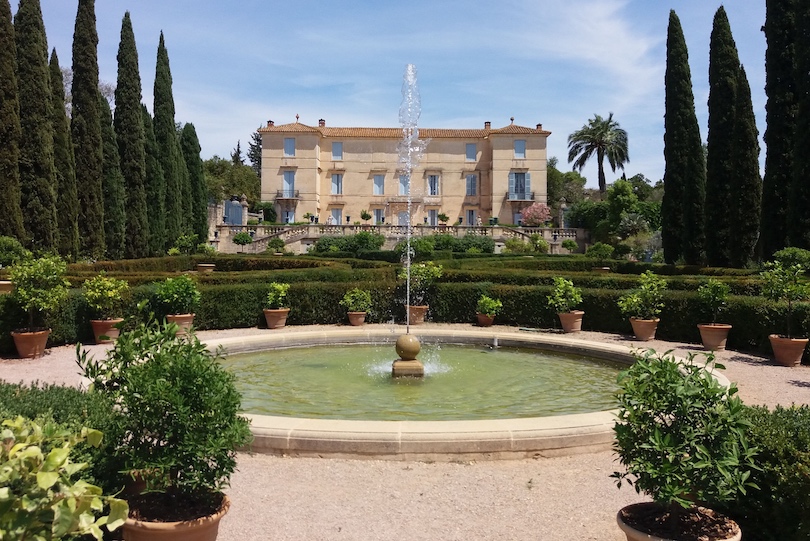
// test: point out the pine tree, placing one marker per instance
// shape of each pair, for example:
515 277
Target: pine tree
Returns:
37 176
130 136
155 188
236 154
254 153
685 170
190 145
746 183
799 222
11 219
115 218
167 145
724 67
85 126
780 86
67 197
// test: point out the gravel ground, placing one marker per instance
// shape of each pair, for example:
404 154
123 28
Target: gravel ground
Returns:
282 498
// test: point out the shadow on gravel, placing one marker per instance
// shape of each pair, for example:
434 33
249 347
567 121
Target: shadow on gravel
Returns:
800 383
753 361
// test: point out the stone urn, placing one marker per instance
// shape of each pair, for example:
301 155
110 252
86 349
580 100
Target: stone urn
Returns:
714 335
644 329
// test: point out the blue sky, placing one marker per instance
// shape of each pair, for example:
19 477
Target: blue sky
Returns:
555 62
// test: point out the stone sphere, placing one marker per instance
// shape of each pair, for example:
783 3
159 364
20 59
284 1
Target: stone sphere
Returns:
408 347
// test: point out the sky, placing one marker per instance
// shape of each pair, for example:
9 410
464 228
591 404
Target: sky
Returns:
236 65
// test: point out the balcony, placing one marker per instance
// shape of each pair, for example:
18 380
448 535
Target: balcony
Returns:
520 196
404 199
287 194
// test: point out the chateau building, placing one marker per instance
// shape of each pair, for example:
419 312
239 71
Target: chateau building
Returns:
334 174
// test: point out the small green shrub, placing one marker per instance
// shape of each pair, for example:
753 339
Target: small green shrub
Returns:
489 306
565 296
647 301
538 243
186 244
357 300
11 251
104 295
206 249
785 284
600 251
570 245
423 276
39 287
793 256
277 296
275 245
714 295
421 248
178 295
242 238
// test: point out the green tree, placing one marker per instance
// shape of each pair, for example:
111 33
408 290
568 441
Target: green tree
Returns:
254 153
167 145
799 222
190 146
115 218
236 154
155 187
224 179
129 134
85 129
780 134
11 219
569 186
682 207
67 195
37 176
620 201
603 137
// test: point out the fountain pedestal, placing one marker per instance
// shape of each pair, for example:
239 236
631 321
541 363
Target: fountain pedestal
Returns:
407 365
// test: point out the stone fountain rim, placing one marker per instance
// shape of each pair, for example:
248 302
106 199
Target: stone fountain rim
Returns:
432 440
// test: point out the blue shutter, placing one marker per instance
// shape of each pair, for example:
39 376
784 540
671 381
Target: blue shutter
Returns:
511 184
528 185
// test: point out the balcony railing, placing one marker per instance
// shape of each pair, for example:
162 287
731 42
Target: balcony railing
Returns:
287 194
520 196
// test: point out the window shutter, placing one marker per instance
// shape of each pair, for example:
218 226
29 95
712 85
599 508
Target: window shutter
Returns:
511 184
528 184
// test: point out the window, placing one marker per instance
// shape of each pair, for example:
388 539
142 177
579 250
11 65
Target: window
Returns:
289 184
404 184
471 217
337 151
472 152
288 216
433 184
379 216
289 147
472 184
337 184
433 217
337 216
520 186
379 184
520 149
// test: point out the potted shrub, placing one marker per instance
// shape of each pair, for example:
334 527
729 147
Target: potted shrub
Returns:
357 303
423 276
570 245
563 299
179 430
487 308
601 252
443 218
39 288
714 295
785 284
365 216
177 299
643 305
680 436
276 311
104 296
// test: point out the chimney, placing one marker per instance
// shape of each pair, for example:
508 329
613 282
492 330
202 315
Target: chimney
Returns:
270 123
539 127
487 125
321 123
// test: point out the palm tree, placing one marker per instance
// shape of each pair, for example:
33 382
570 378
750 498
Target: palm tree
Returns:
604 137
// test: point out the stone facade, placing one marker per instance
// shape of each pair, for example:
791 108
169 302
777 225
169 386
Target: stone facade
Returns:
333 174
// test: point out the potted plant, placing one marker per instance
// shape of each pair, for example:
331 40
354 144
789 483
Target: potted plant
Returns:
357 303
714 295
563 299
487 308
276 310
643 305
39 288
104 296
180 427
786 284
601 252
570 245
423 276
442 217
680 435
365 216
177 299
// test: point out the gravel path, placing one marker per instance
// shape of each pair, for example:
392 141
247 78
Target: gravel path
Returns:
550 499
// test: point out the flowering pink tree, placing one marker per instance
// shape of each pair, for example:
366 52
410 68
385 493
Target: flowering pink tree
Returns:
536 215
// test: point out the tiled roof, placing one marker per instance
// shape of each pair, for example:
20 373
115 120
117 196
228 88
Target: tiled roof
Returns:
396 133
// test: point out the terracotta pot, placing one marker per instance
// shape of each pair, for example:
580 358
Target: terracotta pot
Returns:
571 321
201 529
106 328
6 286
713 335
183 321
205 267
276 317
485 320
600 269
788 351
30 345
636 535
356 318
416 314
644 329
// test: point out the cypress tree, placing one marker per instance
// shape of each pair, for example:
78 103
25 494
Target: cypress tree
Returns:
130 136
746 183
724 67
67 198
155 188
685 169
11 219
167 145
799 223
254 153
780 87
190 146
37 177
115 218
85 127
187 222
